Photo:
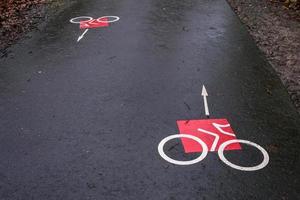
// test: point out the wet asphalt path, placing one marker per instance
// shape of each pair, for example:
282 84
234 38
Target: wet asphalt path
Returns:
83 120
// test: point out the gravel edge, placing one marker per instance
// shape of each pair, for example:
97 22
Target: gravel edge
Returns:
276 31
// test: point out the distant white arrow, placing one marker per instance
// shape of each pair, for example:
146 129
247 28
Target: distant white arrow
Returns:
204 94
82 35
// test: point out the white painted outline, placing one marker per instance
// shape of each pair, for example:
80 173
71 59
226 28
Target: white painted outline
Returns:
108 21
78 22
178 162
230 164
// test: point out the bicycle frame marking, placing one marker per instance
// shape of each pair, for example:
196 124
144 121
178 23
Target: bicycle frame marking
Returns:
94 23
217 137
216 140
213 132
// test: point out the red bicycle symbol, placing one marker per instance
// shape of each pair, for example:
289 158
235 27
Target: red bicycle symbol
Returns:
221 130
87 23
209 135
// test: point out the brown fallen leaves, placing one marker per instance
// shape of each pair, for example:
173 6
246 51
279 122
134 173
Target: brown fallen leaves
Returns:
290 4
276 30
295 4
16 16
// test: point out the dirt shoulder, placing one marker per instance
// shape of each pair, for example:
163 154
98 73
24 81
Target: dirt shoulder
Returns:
276 30
18 17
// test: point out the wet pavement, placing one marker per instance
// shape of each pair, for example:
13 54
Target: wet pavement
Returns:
83 120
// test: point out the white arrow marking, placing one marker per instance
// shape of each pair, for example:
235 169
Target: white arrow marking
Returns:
204 94
80 37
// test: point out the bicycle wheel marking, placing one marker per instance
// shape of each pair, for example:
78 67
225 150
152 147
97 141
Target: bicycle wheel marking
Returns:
177 162
230 164
76 20
107 19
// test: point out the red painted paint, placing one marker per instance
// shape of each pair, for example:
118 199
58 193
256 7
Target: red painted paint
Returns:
94 24
191 127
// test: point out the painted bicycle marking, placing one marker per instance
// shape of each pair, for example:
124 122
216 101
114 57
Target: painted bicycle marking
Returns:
86 22
212 135
93 24
213 132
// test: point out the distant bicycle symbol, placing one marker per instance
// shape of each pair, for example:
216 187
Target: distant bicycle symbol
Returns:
220 150
87 23
103 19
